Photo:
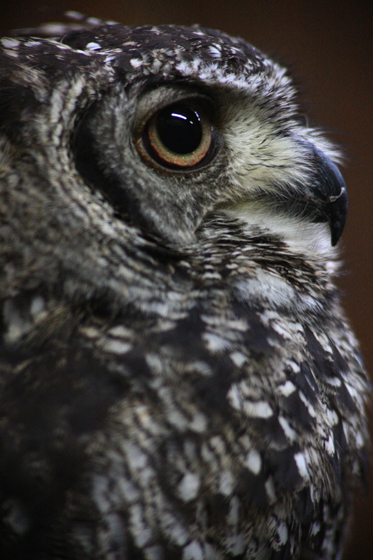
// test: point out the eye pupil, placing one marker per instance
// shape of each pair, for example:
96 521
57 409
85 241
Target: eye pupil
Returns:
179 129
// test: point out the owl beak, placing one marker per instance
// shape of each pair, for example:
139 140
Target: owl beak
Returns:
329 194
336 212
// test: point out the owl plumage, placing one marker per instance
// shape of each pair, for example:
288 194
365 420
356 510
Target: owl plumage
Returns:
178 379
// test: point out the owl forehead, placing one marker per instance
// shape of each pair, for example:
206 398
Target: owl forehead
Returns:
174 44
169 51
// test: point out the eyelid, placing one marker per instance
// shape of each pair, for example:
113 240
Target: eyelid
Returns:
163 95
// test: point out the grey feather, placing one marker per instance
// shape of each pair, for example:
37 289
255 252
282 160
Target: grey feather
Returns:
178 379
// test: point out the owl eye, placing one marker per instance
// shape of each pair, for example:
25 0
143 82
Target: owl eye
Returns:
178 136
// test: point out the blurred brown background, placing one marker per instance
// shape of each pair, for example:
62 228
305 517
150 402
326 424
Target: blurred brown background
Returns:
329 47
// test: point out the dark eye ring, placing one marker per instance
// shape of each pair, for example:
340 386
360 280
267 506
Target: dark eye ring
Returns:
178 136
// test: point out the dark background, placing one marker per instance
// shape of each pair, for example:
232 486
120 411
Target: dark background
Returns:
329 47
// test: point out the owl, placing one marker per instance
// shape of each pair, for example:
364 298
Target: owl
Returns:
178 380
